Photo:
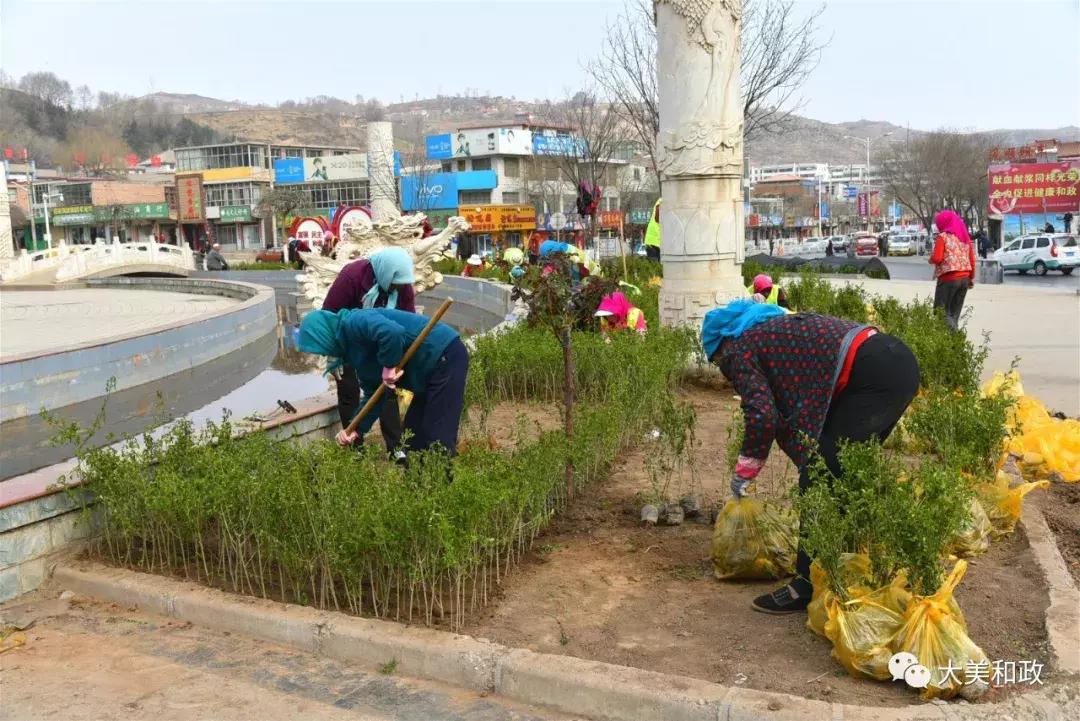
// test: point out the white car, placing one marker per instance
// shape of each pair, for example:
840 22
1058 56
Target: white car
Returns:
1040 253
839 242
902 244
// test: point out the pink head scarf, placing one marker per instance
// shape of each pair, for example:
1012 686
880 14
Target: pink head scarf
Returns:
762 283
617 304
947 221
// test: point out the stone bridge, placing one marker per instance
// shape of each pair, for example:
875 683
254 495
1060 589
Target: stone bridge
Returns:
67 263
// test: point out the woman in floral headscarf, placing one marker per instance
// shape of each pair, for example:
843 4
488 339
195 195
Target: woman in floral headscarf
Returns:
954 265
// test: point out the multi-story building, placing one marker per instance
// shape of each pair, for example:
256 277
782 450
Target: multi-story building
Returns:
511 179
234 177
833 177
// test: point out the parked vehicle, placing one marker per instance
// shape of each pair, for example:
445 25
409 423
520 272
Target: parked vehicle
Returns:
1040 253
902 244
866 245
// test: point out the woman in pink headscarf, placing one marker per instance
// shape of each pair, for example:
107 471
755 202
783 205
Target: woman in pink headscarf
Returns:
954 265
616 312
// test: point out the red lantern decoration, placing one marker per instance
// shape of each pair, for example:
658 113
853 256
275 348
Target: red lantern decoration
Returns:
80 158
9 153
132 160
155 161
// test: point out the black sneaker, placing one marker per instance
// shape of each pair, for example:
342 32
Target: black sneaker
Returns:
782 601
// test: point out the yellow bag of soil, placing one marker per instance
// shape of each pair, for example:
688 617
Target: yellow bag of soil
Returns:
1003 503
754 539
862 630
854 572
938 640
1049 448
1008 383
974 538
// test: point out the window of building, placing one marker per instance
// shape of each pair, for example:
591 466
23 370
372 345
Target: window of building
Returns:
474 197
511 198
222 156
461 166
637 173
511 167
74 194
481 164
232 194
331 195
446 166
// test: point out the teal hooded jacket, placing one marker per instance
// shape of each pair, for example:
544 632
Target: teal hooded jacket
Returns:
371 339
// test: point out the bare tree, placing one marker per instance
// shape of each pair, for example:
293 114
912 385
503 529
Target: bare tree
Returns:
282 201
779 51
942 169
48 88
597 135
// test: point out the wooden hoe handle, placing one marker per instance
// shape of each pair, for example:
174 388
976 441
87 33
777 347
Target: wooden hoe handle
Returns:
409 353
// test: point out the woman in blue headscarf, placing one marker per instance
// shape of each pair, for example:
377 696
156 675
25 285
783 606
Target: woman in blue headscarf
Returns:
385 280
372 342
809 382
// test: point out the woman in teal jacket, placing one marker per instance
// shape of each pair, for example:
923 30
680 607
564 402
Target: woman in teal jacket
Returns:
372 342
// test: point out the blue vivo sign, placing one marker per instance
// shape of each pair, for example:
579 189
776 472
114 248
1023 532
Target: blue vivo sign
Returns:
439 191
289 170
439 147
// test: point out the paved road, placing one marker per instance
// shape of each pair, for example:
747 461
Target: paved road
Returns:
1040 325
44 320
89 661
916 268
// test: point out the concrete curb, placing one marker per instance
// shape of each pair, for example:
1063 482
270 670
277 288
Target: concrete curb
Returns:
1063 614
564 683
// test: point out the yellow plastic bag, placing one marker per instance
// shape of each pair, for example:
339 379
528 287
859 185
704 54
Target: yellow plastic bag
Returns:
754 539
854 571
1008 383
1003 503
974 538
862 630
1048 448
931 632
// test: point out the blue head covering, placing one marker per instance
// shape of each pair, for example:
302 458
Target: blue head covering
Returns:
392 266
553 246
732 320
319 334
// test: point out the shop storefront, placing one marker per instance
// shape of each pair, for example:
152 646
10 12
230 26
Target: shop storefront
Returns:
237 229
495 227
132 222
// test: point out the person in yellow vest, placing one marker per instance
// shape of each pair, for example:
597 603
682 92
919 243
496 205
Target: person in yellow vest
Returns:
652 233
616 312
768 291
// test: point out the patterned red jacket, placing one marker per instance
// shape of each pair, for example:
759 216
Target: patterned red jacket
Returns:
785 369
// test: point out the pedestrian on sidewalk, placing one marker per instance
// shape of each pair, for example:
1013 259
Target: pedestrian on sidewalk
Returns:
953 259
810 382
215 260
385 280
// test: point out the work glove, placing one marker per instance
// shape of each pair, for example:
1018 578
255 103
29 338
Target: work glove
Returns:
739 486
390 377
345 438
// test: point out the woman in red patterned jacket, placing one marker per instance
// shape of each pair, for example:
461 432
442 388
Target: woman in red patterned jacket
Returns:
808 382
953 258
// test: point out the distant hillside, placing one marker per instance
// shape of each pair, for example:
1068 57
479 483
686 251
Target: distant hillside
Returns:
184 103
285 126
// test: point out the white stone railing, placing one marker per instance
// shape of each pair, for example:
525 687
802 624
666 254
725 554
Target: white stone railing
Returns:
92 259
28 262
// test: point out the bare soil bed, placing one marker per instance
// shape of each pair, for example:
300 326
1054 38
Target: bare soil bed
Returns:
1060 504
600 586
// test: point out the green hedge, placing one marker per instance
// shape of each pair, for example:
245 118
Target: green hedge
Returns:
319 525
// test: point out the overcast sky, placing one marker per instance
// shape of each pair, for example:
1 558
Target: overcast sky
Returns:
949 63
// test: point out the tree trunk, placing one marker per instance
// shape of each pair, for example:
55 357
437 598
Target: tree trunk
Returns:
568 407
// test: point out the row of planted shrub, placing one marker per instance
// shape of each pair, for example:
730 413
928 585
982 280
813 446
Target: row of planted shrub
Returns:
338 529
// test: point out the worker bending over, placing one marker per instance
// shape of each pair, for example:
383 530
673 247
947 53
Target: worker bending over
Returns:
616 312
809 382
373 342
765 291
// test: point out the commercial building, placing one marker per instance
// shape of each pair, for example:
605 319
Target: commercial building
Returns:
511 179
229 180
836 180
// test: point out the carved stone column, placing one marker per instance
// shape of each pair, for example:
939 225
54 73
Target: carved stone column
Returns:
381 181
7 248
699 154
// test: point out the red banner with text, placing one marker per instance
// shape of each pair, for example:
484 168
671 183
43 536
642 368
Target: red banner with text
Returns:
1034 187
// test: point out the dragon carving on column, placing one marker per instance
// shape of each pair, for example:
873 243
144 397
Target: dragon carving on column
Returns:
362 240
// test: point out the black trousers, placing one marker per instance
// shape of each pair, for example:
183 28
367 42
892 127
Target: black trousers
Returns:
884 379
348 394
949 296
652 252
435 413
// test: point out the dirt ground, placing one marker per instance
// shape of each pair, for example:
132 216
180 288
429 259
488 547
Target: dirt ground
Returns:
83 660
600 586
1060 504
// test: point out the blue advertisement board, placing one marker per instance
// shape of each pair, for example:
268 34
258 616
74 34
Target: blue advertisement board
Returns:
557 145
850 191
439 147
289 170
439 191
824 212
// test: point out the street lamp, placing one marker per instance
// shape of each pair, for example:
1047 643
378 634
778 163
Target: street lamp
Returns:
867 141
45 198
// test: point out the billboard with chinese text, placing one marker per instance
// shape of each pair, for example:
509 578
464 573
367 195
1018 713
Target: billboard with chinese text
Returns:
189 198
1034 187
